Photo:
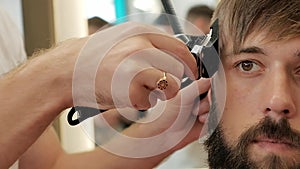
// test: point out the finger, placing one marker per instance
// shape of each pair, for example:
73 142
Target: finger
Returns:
209 96
176 48
201 107
203 117
149 79
139 97
203 110
191 92
154 58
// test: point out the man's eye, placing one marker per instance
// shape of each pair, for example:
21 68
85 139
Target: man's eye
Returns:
248 66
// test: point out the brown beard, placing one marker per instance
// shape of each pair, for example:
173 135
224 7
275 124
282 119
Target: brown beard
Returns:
222 156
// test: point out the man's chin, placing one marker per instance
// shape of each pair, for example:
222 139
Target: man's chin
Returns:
270 155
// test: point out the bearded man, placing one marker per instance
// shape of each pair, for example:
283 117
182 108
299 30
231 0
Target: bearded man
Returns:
260 54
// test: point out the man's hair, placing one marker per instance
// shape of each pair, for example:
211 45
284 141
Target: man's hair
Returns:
279 19
199 11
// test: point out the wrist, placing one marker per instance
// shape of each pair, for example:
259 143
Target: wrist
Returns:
42 86
47 78
59 64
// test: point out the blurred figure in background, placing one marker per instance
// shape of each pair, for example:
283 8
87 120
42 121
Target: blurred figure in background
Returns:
200 16
163 24
95 23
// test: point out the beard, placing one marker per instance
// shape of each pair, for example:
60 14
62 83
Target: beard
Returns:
223 156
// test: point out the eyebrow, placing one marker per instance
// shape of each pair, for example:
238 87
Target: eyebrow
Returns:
252 49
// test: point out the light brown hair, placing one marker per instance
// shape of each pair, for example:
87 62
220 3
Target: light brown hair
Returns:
280 19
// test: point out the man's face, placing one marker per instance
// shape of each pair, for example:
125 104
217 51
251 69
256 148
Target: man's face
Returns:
261 121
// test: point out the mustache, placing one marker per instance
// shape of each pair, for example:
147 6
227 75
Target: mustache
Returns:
280 131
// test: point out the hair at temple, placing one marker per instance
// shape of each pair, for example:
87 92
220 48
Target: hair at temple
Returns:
280 19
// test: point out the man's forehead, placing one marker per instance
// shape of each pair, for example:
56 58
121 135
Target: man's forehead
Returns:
253 41
259 44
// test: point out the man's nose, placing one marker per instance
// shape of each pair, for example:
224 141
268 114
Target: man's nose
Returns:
279 100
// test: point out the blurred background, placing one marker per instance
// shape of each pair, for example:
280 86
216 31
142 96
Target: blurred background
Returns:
46 22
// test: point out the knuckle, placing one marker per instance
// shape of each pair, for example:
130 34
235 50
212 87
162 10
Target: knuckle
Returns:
137 28
181 50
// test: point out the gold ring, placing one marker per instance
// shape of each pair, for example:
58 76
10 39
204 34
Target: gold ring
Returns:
162 83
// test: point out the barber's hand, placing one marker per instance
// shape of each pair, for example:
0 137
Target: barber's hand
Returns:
123 64
169 126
